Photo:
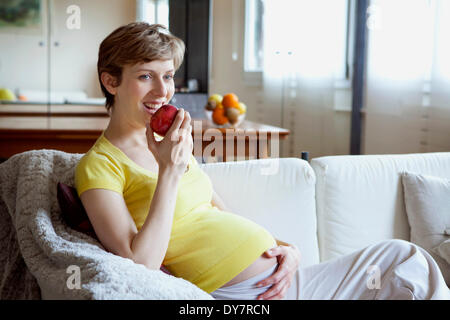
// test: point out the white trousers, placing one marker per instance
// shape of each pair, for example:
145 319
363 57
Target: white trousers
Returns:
245 290
389 270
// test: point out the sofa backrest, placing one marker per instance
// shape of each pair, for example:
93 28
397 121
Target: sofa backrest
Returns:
360 201
276 193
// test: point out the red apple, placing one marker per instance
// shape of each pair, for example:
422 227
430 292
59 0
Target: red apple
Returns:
163 118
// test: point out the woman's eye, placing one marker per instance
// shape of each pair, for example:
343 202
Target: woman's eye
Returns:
169 77
145 76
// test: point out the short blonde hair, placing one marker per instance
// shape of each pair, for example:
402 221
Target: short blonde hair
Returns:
136 42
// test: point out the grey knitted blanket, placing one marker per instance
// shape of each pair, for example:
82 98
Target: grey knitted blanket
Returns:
42 258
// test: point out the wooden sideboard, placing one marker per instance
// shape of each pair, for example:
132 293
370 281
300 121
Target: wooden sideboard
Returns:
75 129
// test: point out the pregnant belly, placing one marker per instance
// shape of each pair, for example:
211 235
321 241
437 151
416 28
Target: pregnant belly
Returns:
260 265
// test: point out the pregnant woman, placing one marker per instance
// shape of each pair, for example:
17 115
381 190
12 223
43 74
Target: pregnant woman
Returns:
149 201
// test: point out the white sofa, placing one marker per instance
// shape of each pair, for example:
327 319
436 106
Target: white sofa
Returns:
329 207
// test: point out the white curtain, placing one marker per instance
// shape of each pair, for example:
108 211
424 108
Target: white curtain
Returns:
407 95
438 116
302 53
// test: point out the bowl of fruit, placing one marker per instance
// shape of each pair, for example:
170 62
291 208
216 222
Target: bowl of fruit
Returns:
225 111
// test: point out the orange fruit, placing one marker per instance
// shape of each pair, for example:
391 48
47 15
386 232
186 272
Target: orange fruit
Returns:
218 116
230 100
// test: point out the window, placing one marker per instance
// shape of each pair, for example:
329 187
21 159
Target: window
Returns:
254 35
153 11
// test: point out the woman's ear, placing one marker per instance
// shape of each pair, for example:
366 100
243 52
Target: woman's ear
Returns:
109 82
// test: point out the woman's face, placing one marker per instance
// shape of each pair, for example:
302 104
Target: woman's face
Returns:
145 87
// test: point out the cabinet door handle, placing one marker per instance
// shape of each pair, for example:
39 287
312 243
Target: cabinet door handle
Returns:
56 43
41 43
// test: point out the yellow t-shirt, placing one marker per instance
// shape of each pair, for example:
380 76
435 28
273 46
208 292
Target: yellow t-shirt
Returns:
207 246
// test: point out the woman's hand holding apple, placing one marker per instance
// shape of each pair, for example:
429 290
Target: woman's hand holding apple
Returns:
173 152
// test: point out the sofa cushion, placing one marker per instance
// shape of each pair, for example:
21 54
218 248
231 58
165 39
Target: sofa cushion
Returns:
360 200
72 210
443 250
276 193
427 201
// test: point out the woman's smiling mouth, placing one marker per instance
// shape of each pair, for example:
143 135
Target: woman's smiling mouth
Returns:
151 108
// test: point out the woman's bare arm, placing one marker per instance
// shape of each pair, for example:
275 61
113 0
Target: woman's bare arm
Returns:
117 231
151 242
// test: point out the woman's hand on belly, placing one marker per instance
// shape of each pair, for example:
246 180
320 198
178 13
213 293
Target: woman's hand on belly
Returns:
288 261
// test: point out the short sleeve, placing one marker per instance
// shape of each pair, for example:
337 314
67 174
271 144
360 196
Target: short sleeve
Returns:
96 171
